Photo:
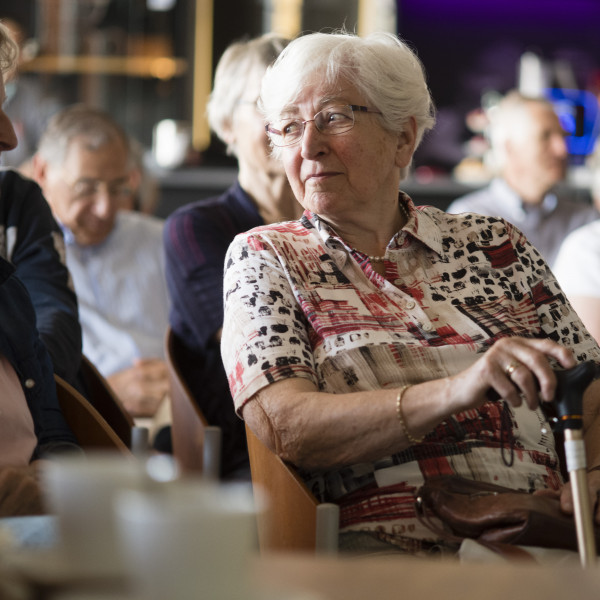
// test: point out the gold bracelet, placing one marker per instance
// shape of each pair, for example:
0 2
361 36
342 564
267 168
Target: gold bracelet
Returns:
399 397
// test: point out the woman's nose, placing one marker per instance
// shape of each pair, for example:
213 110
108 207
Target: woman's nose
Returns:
313 141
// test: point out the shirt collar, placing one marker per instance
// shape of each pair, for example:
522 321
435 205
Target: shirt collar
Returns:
67 233
419 226
69 237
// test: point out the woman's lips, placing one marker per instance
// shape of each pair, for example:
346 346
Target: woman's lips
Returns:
321 176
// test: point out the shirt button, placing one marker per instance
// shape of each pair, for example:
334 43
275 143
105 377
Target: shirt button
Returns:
29 383
410 304
397 281
426 327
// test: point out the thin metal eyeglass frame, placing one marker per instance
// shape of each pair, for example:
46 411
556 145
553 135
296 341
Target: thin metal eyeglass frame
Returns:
91 189
353 107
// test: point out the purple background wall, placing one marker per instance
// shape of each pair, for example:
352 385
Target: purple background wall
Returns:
470 46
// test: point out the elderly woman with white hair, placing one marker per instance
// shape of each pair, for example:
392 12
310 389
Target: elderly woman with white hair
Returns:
362 341
196 237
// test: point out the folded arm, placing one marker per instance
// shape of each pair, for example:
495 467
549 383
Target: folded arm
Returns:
313 429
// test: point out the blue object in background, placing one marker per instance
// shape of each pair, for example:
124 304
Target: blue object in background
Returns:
577 111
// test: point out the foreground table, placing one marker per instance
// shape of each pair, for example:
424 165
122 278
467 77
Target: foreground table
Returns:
390 578
44 576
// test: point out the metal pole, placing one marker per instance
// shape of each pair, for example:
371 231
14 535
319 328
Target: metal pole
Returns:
584 524
568 402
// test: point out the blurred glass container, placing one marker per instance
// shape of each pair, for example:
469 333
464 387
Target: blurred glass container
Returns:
188 540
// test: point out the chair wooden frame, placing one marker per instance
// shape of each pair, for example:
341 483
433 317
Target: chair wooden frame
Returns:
102 397
89 426
294 520
196 444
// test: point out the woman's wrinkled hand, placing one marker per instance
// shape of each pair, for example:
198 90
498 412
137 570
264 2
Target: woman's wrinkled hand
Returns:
517 369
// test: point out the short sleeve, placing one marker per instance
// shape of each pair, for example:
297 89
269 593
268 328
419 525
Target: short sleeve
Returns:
265 334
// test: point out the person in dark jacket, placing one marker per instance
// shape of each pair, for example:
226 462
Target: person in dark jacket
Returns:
32 427
32 241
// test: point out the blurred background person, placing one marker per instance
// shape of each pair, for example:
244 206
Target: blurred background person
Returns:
530 154
115 256
577 266
196 236
32 242
32 427
144 185
592 164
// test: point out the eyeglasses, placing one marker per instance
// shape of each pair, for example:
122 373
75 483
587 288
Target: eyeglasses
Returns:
329 121
89 189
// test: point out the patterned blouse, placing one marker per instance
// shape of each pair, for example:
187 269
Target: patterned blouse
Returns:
300 303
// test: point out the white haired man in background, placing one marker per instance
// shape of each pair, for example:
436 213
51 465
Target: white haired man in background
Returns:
531 156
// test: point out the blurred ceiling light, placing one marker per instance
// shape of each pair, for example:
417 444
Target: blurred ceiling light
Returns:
163 68
531 75
160 5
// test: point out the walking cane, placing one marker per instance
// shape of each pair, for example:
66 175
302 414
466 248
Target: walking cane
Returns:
568 403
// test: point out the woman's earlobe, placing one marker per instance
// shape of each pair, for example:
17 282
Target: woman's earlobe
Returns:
38 169
228 136
406 143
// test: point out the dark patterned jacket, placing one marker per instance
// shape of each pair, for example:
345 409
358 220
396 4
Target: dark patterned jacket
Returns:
21 345
31 240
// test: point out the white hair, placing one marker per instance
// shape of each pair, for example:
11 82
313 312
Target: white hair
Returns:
237 64
9 51
93 126
510 120
383 68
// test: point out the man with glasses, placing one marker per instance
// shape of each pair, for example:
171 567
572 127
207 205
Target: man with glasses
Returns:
115 256
531 158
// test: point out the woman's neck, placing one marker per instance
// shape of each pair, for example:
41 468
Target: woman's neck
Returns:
372 235
271 194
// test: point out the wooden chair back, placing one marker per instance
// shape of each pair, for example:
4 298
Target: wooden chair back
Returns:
105 401
294 520
196 444
89 426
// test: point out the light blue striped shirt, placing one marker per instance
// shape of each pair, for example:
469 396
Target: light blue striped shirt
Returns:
122 293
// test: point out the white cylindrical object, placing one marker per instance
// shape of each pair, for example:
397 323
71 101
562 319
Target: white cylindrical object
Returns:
586 541
575 454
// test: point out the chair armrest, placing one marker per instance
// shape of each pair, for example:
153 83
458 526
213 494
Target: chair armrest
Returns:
328 526
211 453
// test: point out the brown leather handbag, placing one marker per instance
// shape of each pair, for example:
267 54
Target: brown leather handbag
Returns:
492 514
